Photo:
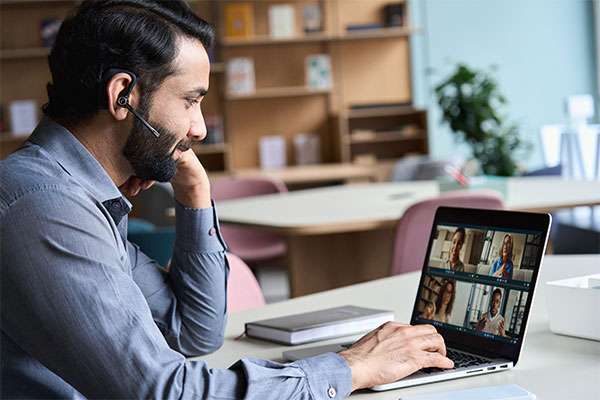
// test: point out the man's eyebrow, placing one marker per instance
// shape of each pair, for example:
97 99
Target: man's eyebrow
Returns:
199 92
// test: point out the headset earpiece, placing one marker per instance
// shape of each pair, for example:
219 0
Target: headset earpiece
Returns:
123 98
123 101
102 96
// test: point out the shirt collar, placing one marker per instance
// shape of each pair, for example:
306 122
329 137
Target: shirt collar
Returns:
493 317
76 160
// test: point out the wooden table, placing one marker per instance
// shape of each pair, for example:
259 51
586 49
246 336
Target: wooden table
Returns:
551 366
342 235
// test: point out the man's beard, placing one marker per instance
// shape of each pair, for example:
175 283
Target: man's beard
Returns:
152 157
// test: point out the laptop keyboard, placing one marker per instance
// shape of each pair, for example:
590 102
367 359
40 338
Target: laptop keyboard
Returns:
461 360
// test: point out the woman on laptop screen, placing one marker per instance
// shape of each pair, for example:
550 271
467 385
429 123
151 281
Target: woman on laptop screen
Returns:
503 267
445 301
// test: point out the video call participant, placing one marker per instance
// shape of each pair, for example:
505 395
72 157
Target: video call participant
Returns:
429 310
492 322
503 266
453 262
445 301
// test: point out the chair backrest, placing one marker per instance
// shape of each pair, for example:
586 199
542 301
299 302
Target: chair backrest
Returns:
156 244
250 244
413 229
243 290
151 204
236 187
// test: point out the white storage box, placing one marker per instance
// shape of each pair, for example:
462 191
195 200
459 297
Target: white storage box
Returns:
573 306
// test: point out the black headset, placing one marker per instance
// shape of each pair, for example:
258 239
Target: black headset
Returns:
123 99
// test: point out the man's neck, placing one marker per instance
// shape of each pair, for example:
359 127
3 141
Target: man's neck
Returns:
103 143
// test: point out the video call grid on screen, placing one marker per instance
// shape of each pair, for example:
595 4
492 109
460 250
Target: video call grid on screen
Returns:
484 273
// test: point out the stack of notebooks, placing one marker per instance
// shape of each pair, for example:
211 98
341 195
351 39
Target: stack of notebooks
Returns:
318 325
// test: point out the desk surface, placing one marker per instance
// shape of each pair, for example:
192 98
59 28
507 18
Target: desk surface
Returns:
380 205
551 366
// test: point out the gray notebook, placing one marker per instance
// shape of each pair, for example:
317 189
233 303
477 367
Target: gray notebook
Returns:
318 325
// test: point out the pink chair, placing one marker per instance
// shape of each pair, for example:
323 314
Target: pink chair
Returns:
413 229
243 291
252 245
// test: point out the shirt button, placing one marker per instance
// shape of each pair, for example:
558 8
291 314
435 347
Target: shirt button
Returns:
212 231
331 392
116 205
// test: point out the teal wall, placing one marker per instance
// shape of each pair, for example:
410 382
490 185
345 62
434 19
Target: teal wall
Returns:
544 50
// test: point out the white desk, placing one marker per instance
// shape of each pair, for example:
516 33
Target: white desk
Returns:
551 366
342 235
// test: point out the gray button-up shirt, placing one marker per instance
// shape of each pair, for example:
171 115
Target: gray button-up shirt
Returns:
84 313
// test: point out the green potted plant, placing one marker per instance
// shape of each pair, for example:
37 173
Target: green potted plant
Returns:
471 103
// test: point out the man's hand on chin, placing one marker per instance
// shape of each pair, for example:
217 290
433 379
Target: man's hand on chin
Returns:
133 185
190 185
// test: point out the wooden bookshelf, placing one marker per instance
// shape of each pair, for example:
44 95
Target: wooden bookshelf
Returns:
369 68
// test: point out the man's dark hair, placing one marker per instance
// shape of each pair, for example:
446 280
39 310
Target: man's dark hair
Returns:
136 35
497 291
460 229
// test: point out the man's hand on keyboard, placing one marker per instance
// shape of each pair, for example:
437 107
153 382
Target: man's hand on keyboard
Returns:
394 351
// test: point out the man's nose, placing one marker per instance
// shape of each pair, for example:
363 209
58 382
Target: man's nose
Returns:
197 127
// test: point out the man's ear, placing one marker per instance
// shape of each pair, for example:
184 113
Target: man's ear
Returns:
116 86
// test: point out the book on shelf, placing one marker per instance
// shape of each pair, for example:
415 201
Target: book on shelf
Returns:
312 18
240 76
282 21
214 129
272 152
23 117
319 325
307 148
48 30
239 20
363 27
318 71
394 15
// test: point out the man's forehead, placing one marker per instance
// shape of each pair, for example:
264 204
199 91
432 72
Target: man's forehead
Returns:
191 66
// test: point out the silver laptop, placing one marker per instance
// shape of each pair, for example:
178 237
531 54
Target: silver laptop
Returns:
476 288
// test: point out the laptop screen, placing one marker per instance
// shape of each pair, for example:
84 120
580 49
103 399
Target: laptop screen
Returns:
479 276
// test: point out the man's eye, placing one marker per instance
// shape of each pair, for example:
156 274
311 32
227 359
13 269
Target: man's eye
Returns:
192 101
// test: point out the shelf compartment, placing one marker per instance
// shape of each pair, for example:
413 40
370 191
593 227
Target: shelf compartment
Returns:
16 54
286 91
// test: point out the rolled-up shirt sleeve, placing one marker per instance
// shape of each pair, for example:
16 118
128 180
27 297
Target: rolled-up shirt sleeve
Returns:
189 302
